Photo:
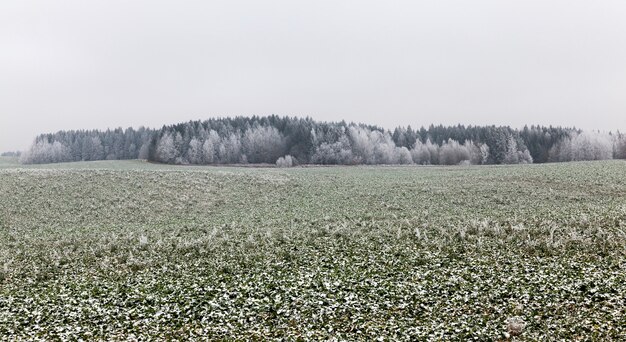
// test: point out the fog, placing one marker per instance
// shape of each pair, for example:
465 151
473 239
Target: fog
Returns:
103 64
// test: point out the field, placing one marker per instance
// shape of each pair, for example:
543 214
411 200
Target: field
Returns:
130 250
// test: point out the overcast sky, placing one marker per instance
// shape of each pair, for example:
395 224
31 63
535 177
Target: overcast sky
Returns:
99 64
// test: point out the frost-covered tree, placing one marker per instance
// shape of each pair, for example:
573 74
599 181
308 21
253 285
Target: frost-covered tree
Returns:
404 156
425 154
229 150
43 152
475 156
583 146
420 153
514 155
453 153
561 151
511 156
592 146
620 146
362 144
210 146
339 152
92 149
484 153
286 161
525 157
194 152
144 151
263 144
376 147
179 148
166 150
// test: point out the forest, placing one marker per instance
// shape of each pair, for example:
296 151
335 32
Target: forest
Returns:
289 141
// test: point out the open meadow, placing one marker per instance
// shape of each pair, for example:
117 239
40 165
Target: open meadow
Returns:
119 250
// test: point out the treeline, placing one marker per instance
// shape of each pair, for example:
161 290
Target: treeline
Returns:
290 141
68 146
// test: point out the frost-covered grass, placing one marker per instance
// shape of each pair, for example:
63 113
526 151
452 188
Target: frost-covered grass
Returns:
8 162
131 250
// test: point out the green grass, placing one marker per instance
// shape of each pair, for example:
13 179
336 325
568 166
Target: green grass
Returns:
130 250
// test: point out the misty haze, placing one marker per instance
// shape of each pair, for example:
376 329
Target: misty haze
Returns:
312 170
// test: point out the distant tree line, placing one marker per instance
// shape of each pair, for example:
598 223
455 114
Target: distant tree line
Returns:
10 154
67 146
289 141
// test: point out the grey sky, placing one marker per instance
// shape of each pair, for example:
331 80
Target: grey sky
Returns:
98 64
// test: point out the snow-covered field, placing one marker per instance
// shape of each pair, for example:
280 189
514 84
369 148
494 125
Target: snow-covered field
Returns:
118 250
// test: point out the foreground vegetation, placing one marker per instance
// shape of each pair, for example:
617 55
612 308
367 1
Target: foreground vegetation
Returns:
132 250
